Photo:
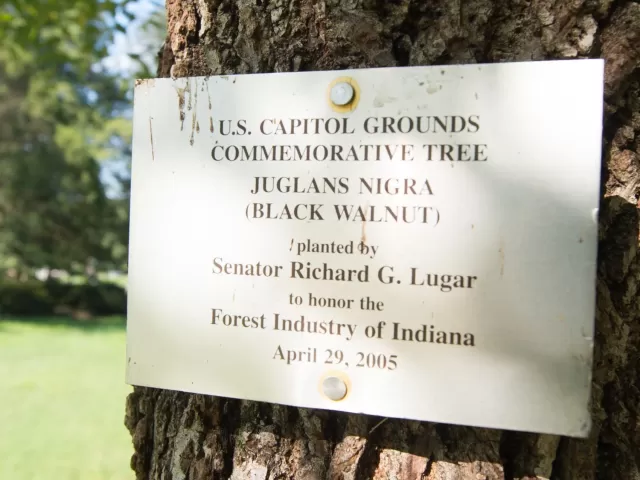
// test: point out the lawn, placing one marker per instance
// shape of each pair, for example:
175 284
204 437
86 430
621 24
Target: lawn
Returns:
62 400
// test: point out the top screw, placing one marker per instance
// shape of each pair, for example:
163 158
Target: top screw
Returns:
342 94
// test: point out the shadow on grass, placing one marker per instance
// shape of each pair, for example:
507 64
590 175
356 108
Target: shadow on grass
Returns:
97 324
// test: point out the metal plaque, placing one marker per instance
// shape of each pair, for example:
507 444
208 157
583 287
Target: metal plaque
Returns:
411 242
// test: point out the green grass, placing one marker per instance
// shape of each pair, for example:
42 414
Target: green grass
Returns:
62 400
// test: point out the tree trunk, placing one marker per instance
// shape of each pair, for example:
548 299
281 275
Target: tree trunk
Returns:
183 436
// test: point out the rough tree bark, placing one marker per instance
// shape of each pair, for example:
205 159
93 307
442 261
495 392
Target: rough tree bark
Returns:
182 436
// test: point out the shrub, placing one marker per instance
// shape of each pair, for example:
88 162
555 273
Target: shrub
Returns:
114 299
25 298
58 290
47 298
100 299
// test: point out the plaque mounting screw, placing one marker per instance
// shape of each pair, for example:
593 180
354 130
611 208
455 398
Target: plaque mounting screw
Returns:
334 388
342 93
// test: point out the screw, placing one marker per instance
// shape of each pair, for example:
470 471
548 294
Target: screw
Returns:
334 388
342 93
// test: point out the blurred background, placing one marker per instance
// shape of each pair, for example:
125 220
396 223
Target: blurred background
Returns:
67 71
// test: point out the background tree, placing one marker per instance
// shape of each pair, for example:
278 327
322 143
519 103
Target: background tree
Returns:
179 435
61 117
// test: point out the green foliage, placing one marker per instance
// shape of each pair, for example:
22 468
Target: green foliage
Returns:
46 298
74 31
61 118
53 205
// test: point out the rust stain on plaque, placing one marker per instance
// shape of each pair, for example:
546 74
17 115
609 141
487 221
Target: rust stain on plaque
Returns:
153 154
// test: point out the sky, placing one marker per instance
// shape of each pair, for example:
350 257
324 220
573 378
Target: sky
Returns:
119 62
